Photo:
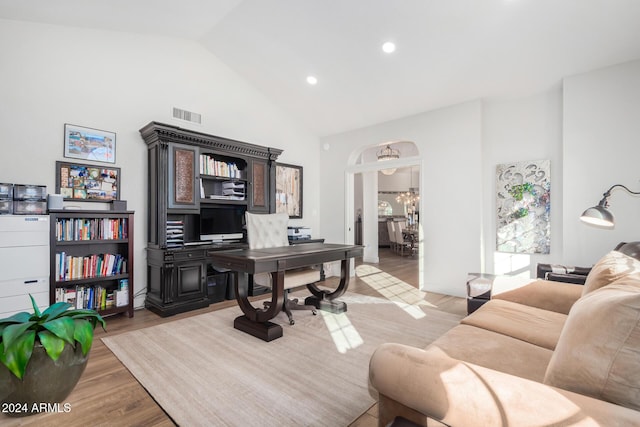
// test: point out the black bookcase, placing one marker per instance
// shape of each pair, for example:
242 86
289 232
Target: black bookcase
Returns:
92 261
189 172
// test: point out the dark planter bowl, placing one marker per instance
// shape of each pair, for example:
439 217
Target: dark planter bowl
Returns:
45 382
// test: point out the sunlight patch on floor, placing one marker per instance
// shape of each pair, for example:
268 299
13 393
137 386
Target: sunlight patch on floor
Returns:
365 270
404 295
344 334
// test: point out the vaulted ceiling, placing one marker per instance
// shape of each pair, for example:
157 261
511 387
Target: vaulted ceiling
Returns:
448 51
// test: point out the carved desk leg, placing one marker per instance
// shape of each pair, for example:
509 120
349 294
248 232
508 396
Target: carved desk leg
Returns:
325 300
256 321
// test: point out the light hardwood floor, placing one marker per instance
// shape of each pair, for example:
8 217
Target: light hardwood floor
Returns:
108 395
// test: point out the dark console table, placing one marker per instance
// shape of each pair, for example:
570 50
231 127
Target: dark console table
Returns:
256 321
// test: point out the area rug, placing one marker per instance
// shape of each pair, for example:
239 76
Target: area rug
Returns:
203 372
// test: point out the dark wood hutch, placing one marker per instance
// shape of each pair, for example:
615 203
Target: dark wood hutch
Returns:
192 176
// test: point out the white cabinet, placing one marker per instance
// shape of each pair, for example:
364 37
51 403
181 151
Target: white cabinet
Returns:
24 263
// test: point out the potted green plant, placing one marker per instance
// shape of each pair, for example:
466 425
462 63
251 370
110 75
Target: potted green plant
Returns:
43 355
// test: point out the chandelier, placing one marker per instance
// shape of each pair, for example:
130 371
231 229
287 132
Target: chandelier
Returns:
388 153
408 197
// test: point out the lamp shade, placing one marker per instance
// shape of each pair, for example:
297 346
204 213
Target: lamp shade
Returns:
599 216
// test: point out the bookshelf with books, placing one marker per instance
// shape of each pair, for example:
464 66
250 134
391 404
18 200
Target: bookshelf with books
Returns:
92 260
223 179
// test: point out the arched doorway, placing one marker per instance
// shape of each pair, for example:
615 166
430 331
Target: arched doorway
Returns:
364 179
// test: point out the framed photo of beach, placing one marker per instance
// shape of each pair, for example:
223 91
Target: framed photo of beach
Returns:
89 144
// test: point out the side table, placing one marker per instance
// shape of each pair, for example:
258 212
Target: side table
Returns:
481 286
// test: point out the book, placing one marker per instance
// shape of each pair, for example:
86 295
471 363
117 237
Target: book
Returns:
70 296
122 298
80 297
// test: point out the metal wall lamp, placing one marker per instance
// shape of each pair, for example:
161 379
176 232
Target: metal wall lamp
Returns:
600 215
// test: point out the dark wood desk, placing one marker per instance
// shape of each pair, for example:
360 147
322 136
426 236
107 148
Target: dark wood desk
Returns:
256 321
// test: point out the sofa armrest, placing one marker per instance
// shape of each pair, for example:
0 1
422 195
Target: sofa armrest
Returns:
576 279
545 294
457 393
543 270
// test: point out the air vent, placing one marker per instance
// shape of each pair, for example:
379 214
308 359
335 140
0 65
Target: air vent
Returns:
187 116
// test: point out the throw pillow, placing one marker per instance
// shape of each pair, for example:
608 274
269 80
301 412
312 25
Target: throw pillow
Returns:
598 353
611 267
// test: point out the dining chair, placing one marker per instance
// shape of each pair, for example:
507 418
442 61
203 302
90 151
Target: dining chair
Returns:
403 242
393 241
270 231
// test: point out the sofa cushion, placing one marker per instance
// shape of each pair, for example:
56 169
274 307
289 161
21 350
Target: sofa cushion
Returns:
533 325
495 351
545 294
419 383
598 353
611 267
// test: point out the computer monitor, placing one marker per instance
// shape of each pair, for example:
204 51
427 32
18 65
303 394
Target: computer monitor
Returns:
222 224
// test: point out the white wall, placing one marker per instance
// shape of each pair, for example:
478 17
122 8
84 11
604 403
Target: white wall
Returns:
401 180
52 75
517 130
370 216
449 141
586 125
601 148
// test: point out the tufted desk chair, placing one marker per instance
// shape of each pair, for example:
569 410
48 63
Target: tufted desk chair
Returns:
270 231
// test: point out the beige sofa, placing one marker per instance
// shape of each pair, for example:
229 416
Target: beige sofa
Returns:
546 354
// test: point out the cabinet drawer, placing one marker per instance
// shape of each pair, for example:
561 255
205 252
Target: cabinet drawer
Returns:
22 223
184 256
24 262
24 287
12 239
17 303
234 265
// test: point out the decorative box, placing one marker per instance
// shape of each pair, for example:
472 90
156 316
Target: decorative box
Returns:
30 192
6 207
29 207
6 191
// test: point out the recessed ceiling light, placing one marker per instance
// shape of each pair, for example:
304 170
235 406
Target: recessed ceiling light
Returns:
312 80
388 47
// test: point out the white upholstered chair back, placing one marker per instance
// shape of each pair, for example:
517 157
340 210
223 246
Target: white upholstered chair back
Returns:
270 231
267 230
399 235
392 232
401 241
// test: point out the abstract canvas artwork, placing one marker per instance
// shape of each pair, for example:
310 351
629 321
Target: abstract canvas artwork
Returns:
523 207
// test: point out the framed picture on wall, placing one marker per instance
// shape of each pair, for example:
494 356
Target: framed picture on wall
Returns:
289 190
87 183
523 194
89 144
